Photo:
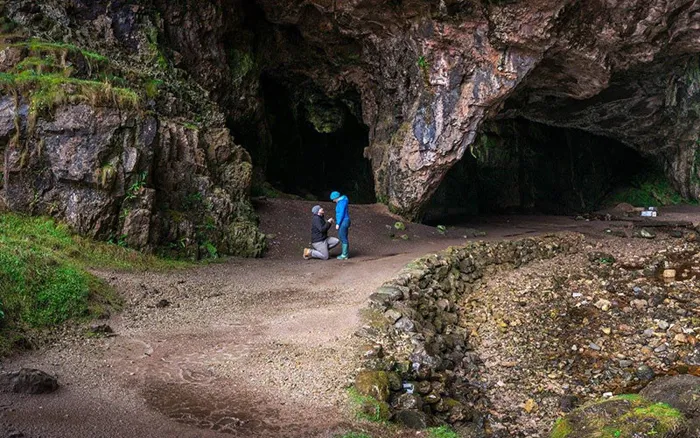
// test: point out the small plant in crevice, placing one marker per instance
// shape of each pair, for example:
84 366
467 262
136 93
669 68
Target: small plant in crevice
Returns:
135 188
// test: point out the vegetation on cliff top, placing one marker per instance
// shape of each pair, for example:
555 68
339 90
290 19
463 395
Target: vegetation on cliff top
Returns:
44 277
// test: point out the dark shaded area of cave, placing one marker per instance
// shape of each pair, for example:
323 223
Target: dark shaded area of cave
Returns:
316 143
518 166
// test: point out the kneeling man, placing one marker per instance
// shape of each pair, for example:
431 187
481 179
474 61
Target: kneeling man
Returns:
320 241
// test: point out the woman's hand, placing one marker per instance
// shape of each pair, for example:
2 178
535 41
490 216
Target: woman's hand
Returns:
337 227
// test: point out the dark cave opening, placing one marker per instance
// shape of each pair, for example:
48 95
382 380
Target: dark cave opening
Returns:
520 166
316 143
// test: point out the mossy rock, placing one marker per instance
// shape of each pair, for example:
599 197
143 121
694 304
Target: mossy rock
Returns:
627 416
373 384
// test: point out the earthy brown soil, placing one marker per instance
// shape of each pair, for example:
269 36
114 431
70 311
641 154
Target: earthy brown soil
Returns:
252 348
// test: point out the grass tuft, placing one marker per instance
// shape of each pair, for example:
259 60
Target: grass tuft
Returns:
44 275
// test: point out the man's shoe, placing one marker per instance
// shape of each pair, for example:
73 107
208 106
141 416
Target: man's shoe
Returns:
307 253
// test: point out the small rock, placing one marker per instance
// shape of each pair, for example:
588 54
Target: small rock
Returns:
530 406
101 329
606 330
639 304
28 381
392 315
568 403
669 273
603 305
412 419
163 304
649 333
644 372
594 346
663 325
660 349
625 363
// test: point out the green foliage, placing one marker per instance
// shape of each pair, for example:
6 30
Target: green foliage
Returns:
562 428
46 91
442 229
44 275
422 63
399 226
241 64
442 432
368 408
135 188
642 419
353 435
648 190
211 250
152 87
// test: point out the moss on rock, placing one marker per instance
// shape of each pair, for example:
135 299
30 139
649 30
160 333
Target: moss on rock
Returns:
626 416
373 384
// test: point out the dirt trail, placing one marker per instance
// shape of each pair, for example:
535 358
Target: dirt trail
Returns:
247 347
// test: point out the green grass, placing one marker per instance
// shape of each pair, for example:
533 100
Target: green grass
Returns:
43 47
650 189
368 408
562 428
46 91
353 435
44 278
442 432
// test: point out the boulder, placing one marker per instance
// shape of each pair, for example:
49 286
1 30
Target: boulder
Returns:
28 381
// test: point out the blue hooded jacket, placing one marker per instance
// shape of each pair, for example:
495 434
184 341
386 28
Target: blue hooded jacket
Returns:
341 211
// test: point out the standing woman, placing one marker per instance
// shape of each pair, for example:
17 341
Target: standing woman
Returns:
342 222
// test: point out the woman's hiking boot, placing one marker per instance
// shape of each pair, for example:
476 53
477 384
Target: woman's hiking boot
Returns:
344 255
307 253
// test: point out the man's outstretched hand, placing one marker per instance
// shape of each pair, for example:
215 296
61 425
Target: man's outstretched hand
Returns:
337 227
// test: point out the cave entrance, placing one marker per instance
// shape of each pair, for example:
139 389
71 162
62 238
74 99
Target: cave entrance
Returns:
316 143
519 166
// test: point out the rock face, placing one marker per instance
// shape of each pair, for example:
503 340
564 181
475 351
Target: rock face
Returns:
148 166
430 73
423 77
28 381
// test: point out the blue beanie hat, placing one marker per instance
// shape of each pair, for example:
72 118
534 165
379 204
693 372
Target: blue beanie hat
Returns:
315 209
334 196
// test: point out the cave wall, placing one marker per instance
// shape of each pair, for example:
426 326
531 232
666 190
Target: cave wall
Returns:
98 130
430 73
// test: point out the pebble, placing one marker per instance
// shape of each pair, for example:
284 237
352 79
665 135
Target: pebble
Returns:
649 333
644 372
663 325
625 363
660 349
593 346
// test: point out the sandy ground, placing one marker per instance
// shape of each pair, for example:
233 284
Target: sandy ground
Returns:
252 348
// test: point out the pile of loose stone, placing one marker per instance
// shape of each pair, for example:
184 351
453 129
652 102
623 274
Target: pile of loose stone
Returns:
462 337
418 352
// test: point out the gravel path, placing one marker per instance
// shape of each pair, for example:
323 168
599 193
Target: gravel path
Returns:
253 348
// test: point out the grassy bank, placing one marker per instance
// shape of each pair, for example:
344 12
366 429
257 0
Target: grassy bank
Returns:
45 278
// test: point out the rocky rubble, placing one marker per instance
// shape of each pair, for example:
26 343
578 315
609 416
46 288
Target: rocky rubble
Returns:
422 327
506 351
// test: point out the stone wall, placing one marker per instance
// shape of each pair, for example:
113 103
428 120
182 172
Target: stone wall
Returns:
418 353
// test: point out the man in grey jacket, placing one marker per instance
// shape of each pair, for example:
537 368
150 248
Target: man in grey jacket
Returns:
320 241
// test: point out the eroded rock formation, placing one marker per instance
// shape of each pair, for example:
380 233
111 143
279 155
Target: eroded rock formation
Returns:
423 76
